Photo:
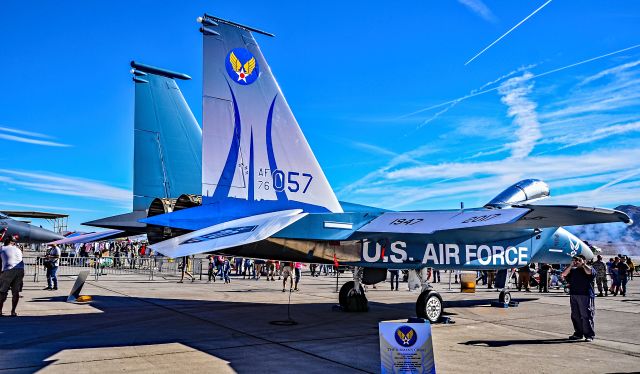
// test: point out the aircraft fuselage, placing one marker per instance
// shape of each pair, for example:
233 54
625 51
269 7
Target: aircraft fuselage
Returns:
450 249
27 233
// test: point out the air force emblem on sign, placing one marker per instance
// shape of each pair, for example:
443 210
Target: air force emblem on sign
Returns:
242 66
406 336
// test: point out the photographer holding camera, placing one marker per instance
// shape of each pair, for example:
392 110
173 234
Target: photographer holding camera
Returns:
583 309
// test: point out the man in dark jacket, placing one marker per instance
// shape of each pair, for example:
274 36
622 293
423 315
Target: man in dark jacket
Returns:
580 277
623 271
543 286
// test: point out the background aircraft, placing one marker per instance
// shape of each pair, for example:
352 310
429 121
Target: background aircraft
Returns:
264 195
25 232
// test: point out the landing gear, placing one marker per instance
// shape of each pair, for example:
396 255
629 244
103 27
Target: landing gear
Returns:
352 300
429 306
351 296
504 297
503 279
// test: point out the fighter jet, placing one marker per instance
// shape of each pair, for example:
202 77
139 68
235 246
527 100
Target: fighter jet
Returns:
24 232
264 195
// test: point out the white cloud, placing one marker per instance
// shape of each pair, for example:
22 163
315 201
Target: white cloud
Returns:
548 72
450 105
523 110
370 148
479 8
47 207
597 173
572 140
403 158
28 137
23 132
21 139
66 185
619 194
611 71
552 167
481 181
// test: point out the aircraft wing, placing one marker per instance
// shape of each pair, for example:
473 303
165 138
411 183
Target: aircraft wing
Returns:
517 217
228 234
90 237
428 222
567 215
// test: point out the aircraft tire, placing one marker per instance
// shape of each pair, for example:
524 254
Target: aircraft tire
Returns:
352 302
504 297
429 306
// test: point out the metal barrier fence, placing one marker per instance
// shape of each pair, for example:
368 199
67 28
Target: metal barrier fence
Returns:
99 266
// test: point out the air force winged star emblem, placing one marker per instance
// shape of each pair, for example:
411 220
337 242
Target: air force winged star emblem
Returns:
575 247
242 66
406 336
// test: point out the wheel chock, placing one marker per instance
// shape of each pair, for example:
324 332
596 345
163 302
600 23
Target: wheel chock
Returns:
498 304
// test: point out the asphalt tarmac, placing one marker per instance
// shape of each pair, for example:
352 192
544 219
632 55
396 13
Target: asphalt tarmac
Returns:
137 325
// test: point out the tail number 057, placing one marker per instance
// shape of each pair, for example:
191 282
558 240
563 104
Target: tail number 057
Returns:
292 181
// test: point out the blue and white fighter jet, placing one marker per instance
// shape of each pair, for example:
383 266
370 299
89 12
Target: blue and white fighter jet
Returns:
264 195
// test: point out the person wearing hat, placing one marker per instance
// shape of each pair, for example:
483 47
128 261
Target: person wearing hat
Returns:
582 298
12 274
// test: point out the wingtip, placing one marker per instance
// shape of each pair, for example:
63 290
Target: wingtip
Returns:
624 217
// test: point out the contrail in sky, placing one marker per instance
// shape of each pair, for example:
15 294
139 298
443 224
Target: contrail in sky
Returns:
532 77
507 33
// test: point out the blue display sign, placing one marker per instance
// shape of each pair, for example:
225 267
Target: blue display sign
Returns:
406 348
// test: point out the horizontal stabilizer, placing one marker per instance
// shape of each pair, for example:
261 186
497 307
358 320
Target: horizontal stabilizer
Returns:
91 237
144 68
228 234
127 222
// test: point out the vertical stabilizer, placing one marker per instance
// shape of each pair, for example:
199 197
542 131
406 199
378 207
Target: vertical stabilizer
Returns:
168 139
255 156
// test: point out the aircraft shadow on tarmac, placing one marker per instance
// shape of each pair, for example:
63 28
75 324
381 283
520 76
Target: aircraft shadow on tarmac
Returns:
235 332
228 330
506 343
469 303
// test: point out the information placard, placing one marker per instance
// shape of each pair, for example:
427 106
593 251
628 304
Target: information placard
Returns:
406 348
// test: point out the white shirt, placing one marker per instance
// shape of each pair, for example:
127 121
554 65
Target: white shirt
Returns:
11 257
55 251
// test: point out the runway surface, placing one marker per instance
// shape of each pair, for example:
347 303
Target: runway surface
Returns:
137 325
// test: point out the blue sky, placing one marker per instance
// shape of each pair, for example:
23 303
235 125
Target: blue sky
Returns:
381 91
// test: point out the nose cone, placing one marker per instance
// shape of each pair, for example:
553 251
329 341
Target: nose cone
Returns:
573 245
40 235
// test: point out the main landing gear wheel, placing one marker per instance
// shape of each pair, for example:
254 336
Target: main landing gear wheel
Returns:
429 306
352 301
505 297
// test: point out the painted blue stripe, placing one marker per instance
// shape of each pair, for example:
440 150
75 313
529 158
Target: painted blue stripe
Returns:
226 178
251 168
280 195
